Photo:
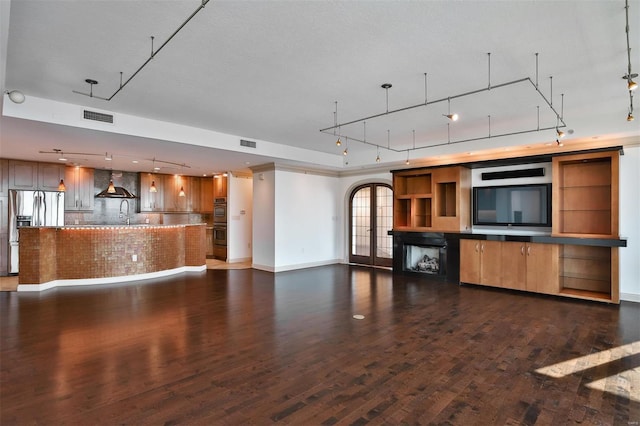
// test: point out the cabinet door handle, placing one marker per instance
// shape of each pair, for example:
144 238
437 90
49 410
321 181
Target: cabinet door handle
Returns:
522 250
477 245
528 250
482 248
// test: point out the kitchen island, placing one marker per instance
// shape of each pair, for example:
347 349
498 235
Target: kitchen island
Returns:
87 255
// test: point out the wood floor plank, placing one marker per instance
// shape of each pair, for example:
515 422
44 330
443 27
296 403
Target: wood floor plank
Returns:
250 347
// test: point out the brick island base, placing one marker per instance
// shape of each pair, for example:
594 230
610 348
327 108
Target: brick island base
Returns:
86 255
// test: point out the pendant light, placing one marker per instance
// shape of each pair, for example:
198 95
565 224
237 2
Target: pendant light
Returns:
181 192
452 117
61 186
153 188
111 189
335 122
346 149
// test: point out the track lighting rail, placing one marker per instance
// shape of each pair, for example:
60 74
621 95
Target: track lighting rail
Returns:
560 118
153 54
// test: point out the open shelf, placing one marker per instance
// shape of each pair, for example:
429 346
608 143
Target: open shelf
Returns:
446 196
585 270
586 294
585 194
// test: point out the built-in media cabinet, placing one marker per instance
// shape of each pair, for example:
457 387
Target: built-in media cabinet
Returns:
432 199
578 258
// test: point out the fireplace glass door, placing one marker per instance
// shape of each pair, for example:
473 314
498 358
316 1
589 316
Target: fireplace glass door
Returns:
371 216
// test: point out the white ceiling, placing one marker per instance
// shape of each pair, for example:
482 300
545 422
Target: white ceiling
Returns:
272 71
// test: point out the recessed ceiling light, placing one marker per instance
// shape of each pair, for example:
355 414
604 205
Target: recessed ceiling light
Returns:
135 161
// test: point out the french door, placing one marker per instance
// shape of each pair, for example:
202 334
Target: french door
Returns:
371 216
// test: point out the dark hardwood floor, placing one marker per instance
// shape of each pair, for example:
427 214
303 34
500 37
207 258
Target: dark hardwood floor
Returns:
250 347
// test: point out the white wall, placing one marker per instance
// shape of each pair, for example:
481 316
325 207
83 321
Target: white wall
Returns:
307 227
630 223
239 218
264 220
309 214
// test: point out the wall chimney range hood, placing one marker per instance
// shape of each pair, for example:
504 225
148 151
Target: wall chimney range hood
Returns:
120 192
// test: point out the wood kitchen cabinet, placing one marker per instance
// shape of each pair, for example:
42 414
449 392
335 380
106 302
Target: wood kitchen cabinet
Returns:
172 201
4 235
480 262
206 195
219 186
193 197
209 239
530 266
4 178
29 175
79 183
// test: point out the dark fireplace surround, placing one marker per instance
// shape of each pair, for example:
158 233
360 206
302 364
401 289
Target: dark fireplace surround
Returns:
428 254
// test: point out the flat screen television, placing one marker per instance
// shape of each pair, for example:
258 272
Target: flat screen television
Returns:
512 205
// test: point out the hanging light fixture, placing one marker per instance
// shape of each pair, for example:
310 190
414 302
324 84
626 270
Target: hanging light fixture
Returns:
181 192
61 186
378 156
111 189
631 85
153 188
335 123
346 149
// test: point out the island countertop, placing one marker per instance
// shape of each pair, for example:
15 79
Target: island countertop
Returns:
99 254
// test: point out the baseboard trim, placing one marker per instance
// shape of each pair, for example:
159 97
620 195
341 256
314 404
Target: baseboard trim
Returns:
630 297
285 268
109 280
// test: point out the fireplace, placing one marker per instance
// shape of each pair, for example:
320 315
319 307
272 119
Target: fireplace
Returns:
425 259
428 254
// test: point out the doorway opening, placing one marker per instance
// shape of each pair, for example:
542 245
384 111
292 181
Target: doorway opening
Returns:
370 219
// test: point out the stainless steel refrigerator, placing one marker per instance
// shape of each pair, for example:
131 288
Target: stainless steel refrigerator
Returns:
31 208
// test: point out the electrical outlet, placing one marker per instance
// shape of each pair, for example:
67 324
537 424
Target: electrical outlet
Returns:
134 257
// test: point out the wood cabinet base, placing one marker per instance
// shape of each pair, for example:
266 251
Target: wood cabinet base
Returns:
581 272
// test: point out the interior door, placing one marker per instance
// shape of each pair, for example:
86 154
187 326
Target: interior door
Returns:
371 216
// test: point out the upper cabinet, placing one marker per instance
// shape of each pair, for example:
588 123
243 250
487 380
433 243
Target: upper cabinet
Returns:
4 178
166 198
29 175
432 199
219 186
206 195
585 195
79 189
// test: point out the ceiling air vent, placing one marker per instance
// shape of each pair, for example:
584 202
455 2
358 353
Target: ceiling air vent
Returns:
98 116
249 144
